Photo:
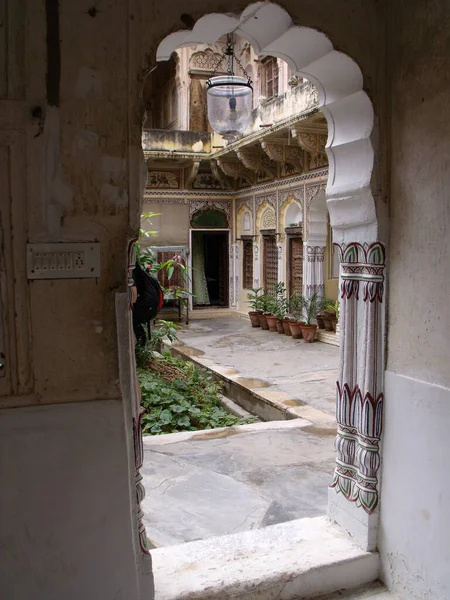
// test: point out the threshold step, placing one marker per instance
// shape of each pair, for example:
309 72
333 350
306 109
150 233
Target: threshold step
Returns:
305 558
373 591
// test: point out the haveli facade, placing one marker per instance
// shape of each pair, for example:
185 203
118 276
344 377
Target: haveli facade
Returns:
268 186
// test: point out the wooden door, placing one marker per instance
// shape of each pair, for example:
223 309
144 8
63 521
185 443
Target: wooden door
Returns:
270 263
295 265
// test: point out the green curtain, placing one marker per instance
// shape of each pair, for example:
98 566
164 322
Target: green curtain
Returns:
199 285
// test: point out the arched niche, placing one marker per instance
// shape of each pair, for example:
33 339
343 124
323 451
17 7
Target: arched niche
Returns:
266 217
244 225
291 214
209 218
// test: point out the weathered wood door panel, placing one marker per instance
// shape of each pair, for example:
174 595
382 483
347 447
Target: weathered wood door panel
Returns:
270 263
295 265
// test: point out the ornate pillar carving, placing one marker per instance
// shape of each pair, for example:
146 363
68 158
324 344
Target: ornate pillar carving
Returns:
359 401
137 427
314 270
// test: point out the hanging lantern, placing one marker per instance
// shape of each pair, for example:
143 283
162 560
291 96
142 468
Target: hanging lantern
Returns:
230 97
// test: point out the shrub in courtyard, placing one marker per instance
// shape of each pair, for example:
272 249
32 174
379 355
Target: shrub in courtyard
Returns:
178 396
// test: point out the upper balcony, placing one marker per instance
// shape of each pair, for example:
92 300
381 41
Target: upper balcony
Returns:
183 144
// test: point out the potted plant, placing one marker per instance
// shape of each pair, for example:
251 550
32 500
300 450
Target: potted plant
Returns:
331 314
270 309
296 310
265 310
322 318
254 301
311 306
280 306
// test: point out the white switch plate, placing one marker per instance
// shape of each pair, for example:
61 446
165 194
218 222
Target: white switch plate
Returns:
63 261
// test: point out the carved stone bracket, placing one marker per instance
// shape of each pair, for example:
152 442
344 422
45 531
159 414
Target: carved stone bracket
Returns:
285 154
311 142
218 174
236 170
190 173
258 162
359 410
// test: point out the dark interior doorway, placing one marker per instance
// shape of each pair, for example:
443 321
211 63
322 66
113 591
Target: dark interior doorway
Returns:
210 268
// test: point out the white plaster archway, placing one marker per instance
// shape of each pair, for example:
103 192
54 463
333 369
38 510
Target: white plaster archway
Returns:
347 108
351 205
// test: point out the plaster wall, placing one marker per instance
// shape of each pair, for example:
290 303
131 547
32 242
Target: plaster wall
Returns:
171 224
414 510
65 517
71 90
70 170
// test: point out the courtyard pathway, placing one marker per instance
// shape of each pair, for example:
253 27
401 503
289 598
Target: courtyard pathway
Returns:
204 484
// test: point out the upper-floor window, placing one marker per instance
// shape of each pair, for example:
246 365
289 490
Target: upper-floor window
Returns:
269 74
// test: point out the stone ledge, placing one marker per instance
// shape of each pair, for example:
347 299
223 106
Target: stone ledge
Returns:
299 559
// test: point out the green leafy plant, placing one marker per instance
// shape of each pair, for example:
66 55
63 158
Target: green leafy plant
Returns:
331 307
280 304
144 255
311 306
255 299
296 306
267 302
187 402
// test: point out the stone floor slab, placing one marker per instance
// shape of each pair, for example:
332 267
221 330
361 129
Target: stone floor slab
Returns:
216 482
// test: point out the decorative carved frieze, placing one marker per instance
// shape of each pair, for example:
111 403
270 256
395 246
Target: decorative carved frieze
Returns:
270 198
164 179
199 205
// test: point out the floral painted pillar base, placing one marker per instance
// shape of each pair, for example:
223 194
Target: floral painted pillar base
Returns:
354 491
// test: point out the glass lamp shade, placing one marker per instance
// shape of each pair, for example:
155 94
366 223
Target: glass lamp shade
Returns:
229 104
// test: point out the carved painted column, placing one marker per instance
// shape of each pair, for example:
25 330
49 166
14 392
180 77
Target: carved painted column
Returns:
236 273
256 265
314 270
359 402
136 420
231 273
280 246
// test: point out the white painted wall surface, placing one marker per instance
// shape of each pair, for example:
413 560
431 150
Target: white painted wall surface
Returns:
415 487
415 516
65 515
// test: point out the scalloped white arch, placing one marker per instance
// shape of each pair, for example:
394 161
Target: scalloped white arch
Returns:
342 99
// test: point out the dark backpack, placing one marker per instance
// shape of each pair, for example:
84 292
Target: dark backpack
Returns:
150 295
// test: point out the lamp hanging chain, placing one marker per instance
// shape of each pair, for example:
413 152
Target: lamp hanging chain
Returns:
230 58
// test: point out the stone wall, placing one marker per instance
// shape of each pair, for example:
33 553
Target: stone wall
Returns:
71 118
414 510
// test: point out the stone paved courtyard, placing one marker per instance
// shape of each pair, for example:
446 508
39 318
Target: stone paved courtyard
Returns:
204 484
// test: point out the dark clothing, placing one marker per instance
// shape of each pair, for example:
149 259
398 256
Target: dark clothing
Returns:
149 301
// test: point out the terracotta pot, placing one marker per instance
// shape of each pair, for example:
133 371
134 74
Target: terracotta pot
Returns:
327 322
320 321
254 318
272 323
287 328
309 332
296 329
280 326
263 321
333 323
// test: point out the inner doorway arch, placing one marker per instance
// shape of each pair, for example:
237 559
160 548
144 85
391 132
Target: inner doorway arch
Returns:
353 216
